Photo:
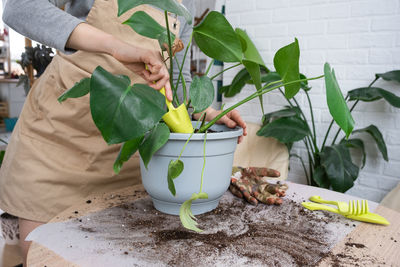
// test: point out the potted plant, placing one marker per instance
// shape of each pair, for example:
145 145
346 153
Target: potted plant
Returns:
330 166
165 155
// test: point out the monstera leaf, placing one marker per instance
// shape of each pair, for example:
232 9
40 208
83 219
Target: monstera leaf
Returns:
201 93
168 5
217 39
369 94
122 112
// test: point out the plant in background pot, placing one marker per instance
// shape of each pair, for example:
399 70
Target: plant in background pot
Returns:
330 166
181 176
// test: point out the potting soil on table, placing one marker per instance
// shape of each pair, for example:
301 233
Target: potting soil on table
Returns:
236 233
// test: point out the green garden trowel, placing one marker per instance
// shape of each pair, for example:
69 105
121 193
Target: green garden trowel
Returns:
177 119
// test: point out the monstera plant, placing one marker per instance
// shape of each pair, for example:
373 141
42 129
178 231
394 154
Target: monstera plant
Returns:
116 104
330 166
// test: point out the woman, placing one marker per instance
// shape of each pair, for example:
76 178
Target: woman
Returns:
56 155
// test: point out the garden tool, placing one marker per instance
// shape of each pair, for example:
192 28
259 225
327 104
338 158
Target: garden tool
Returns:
250 184
357 211
177 119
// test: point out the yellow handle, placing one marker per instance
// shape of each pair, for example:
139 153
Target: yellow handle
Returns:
169 104
315 206
318 199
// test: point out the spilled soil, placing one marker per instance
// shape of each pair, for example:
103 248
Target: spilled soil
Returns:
234 234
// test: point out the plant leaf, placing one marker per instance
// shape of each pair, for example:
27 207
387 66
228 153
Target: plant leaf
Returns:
356 143
169 5
80 89
175 168
377 136
336 103
393 75
145 25
287 112
186 215
217 39
320 177
304 84
368 94
153 141
339 168
122 112
285 129
238 82
125 153
201 93
286 62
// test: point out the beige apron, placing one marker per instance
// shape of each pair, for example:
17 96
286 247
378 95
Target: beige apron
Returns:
56 155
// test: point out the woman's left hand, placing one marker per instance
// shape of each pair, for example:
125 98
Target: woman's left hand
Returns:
231 119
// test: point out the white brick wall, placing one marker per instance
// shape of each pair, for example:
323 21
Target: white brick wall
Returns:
358 38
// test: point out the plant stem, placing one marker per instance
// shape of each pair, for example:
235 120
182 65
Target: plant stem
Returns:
171 67
312 120
209 67
288 100
219 73
252 96
181 68
304 167
204 162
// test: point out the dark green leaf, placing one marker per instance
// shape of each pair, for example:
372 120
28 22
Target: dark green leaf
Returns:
175 168
377 136
153 141
356 143
238 82
2 154
145 25
336 103
122 112
169 5
339 168
217 39
287 112
369 94
270 78
127 150
186 215
304 84
320 177
80 89
393 75
201 93
285 129
286 62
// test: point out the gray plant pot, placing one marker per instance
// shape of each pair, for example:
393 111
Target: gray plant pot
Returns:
220 147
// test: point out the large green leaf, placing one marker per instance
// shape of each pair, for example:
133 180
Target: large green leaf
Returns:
285 129
80 88
320 177
270 78
153 141
336 103
127 150
286 62
252 60
145 25
393 75
175 168
169 5
238 82
377 136
356 143
339 168
122 112
369 94
201 93
217 39
286 112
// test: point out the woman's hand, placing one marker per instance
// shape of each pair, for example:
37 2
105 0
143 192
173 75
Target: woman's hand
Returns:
88 38
231 119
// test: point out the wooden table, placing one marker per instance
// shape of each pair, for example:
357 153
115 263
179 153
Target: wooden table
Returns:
382 243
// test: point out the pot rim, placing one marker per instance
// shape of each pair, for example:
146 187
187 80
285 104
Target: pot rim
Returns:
223 133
